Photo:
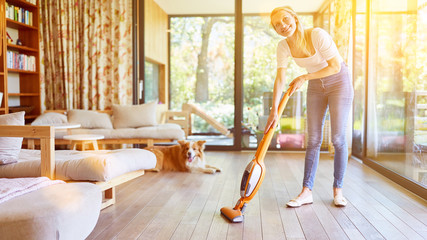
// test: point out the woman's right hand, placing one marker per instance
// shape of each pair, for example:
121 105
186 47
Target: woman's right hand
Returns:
271 121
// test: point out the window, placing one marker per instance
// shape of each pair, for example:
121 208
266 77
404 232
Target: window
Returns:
151 83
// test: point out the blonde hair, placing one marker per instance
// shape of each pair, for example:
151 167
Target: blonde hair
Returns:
300 35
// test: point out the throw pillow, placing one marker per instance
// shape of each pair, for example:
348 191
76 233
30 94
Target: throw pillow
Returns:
50 118
133 116
10 147
89 119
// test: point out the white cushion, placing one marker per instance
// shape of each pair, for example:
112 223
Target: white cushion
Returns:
50 118
102 165
133 116
62 211
90 119
161 131
10 146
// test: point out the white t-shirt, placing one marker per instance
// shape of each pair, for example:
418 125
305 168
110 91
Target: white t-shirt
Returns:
325 50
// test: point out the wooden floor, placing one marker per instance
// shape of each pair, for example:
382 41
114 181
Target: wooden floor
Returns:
174 205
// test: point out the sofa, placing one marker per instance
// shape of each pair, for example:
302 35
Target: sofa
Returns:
131 124
105 168
60 211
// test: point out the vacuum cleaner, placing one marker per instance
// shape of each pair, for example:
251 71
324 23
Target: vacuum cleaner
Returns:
254 172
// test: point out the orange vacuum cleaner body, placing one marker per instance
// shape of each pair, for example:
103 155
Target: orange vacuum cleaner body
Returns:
254 172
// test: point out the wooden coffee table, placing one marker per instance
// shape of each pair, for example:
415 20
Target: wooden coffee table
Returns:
59 126
84 139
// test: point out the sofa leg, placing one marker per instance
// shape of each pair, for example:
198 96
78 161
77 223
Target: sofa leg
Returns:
109 197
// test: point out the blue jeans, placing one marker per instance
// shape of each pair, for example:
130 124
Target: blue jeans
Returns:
336 93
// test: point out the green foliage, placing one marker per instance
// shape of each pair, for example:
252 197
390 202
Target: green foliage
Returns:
223 113
260 43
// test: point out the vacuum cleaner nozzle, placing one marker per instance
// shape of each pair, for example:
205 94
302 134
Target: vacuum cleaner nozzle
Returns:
233 215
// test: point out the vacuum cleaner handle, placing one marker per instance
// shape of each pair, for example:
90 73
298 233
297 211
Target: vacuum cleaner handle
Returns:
265 142
254 172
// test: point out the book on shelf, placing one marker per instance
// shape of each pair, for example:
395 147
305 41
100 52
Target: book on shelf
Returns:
19 14
15 60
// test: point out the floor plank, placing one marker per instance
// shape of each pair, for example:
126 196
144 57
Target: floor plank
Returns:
175 205
210 209
153 197
271 222
290 186
354 224
219 227
399 218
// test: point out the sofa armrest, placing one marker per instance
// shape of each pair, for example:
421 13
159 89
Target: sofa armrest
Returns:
161 109
46 134
181 118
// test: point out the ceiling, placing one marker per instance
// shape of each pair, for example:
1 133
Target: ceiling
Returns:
191 7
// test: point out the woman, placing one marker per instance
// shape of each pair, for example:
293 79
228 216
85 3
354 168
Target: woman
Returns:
329 86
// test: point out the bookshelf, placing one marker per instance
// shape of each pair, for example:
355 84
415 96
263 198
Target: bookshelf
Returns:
20 62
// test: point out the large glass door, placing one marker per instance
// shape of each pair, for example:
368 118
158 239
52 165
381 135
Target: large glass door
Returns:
397 88
202 70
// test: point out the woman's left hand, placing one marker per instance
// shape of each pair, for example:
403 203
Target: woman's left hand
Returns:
297 83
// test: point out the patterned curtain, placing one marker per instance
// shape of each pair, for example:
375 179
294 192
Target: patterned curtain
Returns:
86 53
341 25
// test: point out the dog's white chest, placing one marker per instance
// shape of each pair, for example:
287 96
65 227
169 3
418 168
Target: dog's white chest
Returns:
196 163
